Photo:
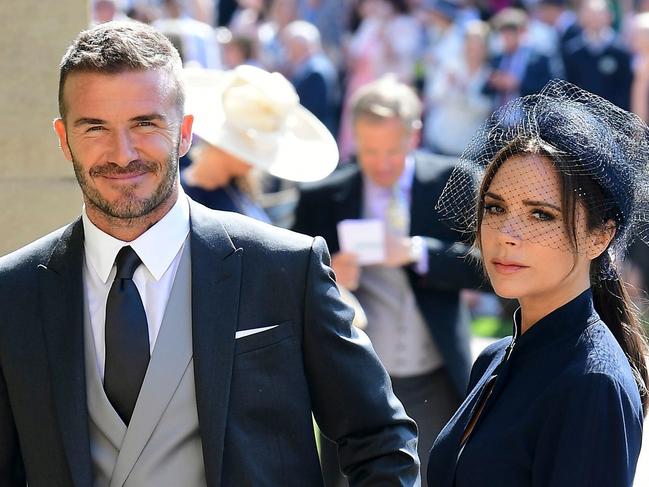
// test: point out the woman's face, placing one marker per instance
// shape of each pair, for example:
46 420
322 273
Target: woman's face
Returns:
475 49
526 250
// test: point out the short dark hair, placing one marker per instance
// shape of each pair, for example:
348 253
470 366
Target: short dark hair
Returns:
115 47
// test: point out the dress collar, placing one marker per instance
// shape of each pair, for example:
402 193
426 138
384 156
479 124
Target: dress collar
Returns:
573 317
156 247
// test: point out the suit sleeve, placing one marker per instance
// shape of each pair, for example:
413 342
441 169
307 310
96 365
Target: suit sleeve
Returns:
592 439
12 472
537 74
313 95
351 393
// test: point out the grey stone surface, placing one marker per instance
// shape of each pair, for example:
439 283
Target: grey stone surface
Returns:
37 190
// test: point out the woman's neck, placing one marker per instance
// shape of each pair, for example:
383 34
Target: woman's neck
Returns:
534 308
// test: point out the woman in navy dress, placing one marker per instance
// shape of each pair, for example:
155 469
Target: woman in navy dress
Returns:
561 187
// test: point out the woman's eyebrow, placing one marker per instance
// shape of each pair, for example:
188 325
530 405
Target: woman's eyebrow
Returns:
541 203
494 196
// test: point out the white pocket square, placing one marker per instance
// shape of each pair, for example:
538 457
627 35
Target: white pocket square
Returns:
252 331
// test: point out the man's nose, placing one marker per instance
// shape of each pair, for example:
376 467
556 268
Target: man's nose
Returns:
123 148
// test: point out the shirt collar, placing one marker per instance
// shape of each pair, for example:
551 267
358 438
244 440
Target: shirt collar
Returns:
156 247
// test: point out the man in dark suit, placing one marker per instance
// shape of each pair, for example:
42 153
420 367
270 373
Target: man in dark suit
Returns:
154 342
312 73
519 70
416 321
597 60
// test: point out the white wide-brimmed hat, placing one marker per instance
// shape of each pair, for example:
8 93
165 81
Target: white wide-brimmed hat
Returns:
256 116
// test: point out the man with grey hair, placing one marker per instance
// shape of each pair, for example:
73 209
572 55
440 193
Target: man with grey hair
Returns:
313 75
415 319
154 342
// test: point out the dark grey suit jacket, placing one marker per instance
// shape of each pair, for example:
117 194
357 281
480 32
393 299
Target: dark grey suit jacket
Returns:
322 205
254 395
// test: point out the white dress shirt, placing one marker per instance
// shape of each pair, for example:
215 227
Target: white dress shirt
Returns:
376 200
159 249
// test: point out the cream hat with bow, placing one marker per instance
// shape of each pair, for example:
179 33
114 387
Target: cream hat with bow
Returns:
256 116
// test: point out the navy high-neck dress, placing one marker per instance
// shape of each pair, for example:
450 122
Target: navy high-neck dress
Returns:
564 410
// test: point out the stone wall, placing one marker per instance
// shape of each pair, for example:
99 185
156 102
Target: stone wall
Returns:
38 192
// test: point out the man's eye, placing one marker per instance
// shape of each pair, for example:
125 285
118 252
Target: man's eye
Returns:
95 128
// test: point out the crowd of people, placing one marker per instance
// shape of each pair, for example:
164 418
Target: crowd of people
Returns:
464 58
154 341
403 86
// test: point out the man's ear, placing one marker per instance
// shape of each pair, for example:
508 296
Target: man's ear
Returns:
600 239
415 137
185 135
59 128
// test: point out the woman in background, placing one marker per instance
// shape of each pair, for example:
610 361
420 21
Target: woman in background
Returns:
456 103
250 122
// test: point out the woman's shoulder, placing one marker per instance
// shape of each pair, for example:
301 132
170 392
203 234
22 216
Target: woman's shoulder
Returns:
599 366
600 352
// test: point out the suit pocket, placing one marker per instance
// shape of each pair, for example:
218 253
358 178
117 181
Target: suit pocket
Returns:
264 339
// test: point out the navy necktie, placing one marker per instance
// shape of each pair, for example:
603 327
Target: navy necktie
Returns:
127 337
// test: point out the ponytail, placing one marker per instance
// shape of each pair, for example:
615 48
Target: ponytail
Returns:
614 306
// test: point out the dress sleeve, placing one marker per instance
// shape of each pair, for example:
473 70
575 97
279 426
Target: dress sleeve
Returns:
591 438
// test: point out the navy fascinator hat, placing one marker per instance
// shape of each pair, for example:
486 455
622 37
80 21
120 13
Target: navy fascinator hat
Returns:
588 137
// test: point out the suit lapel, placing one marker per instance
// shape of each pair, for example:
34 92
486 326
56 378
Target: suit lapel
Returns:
421 207
216 277
346 203
62 299
349 197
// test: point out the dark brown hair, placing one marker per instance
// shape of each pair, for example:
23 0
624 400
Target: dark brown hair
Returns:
610 297
115 47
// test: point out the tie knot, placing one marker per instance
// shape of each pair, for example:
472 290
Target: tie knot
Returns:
126 261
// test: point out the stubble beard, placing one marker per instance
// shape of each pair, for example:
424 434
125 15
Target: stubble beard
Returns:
128 207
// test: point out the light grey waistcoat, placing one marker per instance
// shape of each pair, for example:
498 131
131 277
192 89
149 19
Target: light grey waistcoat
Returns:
398 331
162 445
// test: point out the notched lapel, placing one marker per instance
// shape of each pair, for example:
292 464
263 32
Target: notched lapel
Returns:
348 199
61 305
216 280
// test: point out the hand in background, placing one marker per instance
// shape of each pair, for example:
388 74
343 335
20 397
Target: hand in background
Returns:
345 266
398 250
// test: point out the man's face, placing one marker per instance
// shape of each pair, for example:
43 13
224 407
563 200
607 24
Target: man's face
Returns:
511 39
123 135
382 147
